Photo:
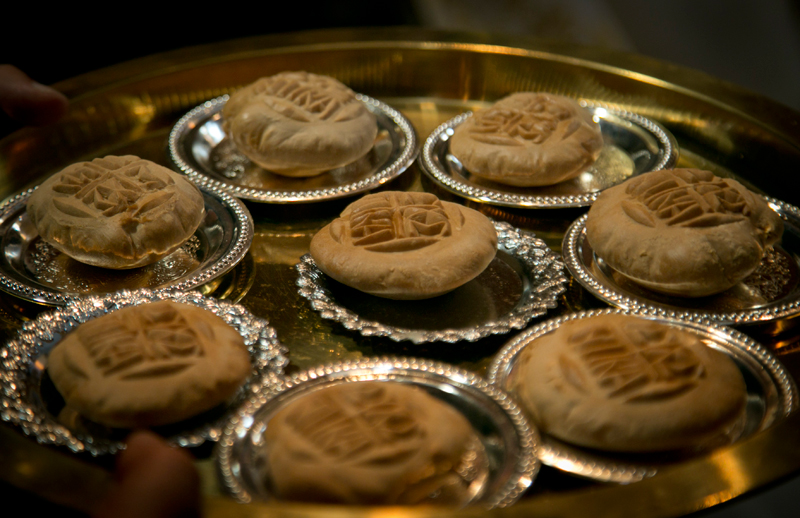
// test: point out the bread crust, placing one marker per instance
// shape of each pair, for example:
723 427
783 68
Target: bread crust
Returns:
299 124
528 139
405 245
682 232
368 443
622 383
116 212
149 365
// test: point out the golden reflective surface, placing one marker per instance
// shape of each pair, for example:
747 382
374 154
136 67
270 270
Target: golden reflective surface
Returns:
430 77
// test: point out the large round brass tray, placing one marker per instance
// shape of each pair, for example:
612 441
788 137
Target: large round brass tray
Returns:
430 77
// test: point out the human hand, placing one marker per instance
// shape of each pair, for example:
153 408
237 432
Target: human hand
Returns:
28 102
153 480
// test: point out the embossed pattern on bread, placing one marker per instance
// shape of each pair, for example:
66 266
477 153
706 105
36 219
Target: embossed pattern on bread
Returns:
622 383
528 139
299 124
149 365
116 212
683 232
378 443
405 245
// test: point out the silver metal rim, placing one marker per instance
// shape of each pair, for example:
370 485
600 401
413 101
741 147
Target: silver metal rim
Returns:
385 368
237 245
543 268
669 156
606 468
391 171
20 378
576 235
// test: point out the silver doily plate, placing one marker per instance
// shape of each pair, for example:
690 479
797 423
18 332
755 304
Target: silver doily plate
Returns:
770 293
524 265
633 145
506 437
33 270
200 148
772 395
31 402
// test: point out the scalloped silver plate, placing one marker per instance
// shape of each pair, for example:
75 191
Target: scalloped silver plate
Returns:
770 293
508 440
633 145
772 395
199 147
34 271
478 309
29 403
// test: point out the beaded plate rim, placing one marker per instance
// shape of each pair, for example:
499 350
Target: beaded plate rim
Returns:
594 465
20 378
202 112
543 268
433 169
383 368
237 241
575 237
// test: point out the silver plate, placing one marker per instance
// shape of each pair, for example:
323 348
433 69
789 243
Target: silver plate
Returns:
199 147
30 401
523 281
771 292
633 145
772 395
33 270
506 438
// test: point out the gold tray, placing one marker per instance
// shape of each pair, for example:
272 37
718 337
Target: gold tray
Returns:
430 77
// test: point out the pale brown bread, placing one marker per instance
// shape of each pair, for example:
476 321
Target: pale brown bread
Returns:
528 139
405 245
683 232
622 383
367 443
299 124
116 212
149 365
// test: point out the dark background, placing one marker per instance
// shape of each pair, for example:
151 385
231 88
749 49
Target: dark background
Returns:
752 43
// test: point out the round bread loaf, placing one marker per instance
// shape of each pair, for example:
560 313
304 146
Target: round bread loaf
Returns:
149 365
528 139
368 443
299 124
621 383
683 232
116 212
405 245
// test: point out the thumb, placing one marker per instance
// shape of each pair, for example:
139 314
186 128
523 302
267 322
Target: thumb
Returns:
154 480
27 101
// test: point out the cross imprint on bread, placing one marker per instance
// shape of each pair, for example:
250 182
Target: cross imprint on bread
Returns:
641 362
155 343
310 98
360 427
398 223
132 190
698 199
533 123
